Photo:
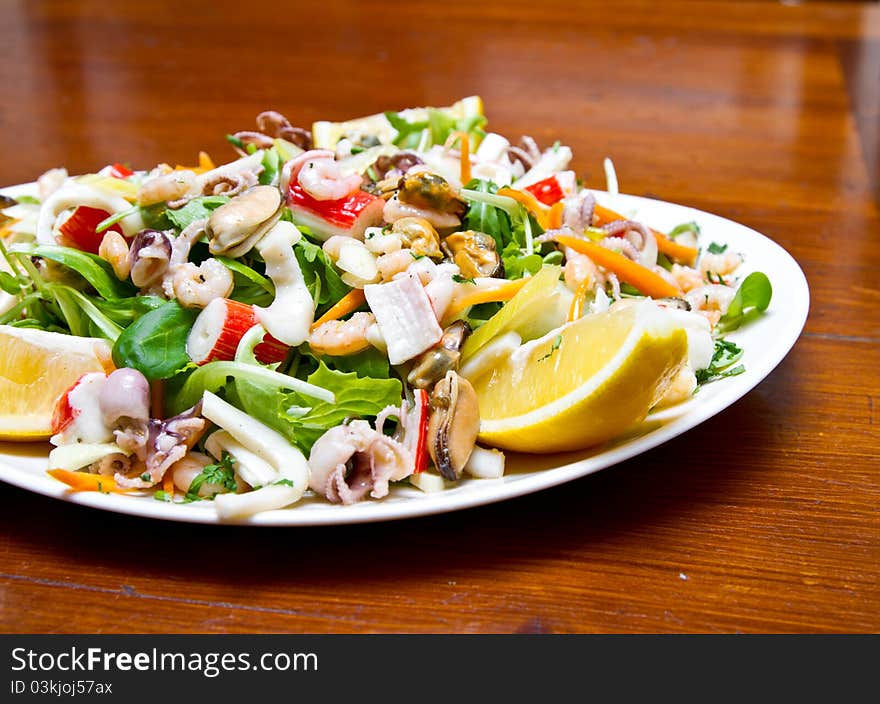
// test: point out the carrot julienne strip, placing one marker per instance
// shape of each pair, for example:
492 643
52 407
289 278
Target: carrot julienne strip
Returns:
465 148
554 217
349 303
664 244
504 292
81 481
530 203
641 277
576 309
168 483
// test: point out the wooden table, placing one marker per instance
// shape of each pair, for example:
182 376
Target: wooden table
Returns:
764 518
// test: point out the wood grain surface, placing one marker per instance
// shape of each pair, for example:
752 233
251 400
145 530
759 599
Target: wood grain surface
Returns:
762 519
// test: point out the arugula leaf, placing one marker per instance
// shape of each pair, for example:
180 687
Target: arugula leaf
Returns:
9 283
81 314
319 274
271 166
154 217
487 218
115 218
554 257
442 125
244 273
155 344
126 310
92 268
517 264
407 132
234 141
752 298
195 209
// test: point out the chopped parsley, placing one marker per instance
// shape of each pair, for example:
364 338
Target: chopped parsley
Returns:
716 248
726 354
162 496
283 482
220 473
462 280
557 343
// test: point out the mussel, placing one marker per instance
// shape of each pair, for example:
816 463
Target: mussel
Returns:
453 425
430 192
474 253
418 235
235 227
433 365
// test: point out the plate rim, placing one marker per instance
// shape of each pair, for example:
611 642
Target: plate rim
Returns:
674 421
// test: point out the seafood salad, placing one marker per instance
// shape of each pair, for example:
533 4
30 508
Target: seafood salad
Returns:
399 298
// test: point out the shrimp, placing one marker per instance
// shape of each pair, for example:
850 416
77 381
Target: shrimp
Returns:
321 176
165 187
711 301
51 181
196 286
349 461
685 278
719 264
394 262
384 244
186 469
681 388
580 269
114 249
342 337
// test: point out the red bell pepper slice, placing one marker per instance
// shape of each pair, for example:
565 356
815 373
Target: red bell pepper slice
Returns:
79 229
547 191
120 171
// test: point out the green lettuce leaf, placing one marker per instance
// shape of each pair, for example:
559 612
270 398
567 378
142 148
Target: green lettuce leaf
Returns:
356 397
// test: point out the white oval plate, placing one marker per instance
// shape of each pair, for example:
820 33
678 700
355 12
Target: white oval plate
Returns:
766 341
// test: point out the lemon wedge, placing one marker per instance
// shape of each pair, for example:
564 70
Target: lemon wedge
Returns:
36 367
582 384
325 134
